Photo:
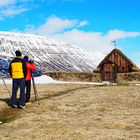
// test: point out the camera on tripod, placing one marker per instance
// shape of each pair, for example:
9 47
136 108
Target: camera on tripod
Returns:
31 61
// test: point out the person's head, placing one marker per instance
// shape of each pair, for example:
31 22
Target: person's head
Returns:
18 53
25 58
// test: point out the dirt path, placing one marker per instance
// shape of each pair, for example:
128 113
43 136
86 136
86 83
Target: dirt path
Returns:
76 112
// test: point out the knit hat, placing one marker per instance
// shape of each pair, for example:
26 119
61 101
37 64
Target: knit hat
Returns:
18 53
25 58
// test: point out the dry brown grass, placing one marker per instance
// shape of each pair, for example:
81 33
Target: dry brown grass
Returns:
76 112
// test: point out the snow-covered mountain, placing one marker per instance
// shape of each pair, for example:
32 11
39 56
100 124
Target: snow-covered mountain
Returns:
48 54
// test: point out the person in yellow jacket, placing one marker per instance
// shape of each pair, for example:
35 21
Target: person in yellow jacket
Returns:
18 72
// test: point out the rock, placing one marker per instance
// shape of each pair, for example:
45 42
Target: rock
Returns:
3 106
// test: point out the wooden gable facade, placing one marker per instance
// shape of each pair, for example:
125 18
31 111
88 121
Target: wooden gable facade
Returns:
115 62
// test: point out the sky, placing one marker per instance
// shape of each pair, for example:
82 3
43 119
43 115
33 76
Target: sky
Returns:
89 24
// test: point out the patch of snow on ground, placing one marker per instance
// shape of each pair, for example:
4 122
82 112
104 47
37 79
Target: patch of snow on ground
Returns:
44 79
38 80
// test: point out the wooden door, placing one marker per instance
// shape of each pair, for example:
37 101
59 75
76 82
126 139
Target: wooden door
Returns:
108 72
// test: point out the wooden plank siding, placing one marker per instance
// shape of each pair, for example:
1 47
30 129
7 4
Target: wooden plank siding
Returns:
122 63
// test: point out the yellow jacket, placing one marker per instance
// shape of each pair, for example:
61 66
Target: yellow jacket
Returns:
17 68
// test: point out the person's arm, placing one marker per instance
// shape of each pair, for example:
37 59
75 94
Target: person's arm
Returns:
10 70
31 66
24 68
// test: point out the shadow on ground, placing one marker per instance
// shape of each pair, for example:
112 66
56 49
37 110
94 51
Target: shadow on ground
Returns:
55 94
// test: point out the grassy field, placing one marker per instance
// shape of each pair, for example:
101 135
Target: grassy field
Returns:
75 112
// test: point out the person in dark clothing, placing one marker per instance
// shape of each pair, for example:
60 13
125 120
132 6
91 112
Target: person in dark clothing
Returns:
18 72
30 67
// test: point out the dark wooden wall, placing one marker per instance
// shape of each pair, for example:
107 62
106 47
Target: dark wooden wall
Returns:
123 65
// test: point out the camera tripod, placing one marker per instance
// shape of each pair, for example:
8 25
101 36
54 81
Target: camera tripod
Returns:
5 84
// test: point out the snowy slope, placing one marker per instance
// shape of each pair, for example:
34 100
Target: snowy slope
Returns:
48 54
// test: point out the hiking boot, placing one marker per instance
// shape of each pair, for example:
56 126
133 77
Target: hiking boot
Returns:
21 107
14 106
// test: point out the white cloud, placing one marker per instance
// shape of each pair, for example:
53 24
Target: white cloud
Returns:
10 8
91 41
6 2
118 34
12 11
83 23
55 24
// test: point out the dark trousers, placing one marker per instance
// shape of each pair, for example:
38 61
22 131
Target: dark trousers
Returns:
18 83
27 89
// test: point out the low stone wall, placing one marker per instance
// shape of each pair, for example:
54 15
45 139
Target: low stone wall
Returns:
96 77
66 76
93 77
128 77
